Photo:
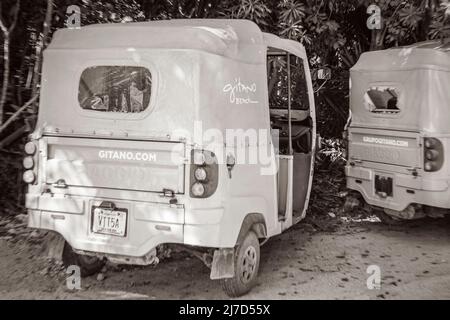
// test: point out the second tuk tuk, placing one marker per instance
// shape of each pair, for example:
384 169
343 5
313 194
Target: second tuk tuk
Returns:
399 134
195 133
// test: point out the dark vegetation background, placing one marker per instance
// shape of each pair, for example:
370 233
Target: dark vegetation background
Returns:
334 33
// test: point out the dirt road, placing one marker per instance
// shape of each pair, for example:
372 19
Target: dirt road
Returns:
307 262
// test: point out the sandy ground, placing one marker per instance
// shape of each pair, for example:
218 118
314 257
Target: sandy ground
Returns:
306 262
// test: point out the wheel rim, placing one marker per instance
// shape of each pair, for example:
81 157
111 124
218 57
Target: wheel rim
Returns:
248 265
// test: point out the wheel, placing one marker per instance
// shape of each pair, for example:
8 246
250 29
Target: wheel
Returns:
246 265
88 265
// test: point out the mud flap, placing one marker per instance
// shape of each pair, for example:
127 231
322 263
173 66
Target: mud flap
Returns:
54 246
222 265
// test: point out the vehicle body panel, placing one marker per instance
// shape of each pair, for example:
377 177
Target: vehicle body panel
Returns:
193 77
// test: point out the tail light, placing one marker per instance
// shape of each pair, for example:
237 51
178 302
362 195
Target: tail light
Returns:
29 162
30 148
28 176
204 174
433 154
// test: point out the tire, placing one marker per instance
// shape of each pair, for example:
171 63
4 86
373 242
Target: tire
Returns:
88 265
246 265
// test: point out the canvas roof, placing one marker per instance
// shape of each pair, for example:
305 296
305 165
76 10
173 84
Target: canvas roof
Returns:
236 39
425 55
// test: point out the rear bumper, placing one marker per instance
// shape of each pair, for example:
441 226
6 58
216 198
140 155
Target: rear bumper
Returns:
407 189
148 225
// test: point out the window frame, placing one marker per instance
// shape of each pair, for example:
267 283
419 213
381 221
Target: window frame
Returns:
398 88
284 53
311 105
120 63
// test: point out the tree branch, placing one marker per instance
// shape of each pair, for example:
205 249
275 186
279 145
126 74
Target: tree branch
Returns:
16 15
18 112
2 23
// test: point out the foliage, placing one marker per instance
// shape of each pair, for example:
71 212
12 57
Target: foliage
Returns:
333 32
255 10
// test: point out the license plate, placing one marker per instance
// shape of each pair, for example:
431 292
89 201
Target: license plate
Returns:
109 221
383 186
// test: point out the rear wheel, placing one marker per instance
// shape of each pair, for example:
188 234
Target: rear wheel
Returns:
88 265
246 265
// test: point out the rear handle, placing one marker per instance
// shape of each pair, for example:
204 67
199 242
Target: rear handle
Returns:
167 193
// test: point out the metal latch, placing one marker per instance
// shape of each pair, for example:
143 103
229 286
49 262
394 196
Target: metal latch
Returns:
355 161
231 162
413 171
169 193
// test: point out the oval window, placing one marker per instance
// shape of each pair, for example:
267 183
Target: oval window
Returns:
115 89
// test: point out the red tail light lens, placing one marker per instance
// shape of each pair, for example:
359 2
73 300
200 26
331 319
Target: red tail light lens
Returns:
204 174
433 154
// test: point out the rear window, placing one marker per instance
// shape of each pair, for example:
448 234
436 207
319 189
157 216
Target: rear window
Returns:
279 80
115 89
382 100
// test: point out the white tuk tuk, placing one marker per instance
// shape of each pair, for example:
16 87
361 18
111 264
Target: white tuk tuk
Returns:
399 130
168 132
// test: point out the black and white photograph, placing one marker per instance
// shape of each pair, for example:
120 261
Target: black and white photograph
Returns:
243 151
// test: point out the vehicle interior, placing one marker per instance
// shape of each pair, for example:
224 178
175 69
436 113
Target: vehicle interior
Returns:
291 127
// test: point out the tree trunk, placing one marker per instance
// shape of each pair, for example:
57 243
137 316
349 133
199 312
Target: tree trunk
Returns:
6 63
5 83
17 113
376 43
41 46
425 25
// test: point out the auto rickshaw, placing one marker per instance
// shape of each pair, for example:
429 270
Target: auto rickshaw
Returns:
398 137
122 162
